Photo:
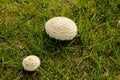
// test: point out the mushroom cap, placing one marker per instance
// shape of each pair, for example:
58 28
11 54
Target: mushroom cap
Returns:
61 28
30 63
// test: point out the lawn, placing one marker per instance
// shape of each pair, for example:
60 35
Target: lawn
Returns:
94 54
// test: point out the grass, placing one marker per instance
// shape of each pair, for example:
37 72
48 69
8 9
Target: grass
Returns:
94 54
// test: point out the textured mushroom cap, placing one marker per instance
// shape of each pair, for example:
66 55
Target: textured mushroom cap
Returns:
61 28
30 63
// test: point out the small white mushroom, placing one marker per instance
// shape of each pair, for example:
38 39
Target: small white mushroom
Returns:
61 28
31 63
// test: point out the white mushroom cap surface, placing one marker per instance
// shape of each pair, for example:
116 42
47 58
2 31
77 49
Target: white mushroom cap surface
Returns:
31 63
61 28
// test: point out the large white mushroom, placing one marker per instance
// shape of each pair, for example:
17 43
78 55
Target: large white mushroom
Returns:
31 63
61 28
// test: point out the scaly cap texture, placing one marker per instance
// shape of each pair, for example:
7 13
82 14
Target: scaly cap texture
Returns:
30 63
61 28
